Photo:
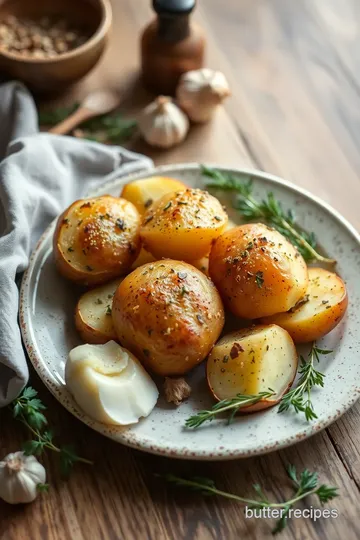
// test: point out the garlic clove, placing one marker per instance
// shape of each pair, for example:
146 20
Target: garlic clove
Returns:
110 384
19 478
200 92
163 124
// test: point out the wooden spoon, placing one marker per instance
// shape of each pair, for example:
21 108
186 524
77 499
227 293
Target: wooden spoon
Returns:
95 104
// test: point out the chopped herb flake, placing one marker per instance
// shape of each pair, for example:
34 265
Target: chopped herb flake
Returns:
200 319
259 279
120 223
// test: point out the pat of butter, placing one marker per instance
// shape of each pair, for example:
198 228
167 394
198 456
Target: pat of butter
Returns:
110 384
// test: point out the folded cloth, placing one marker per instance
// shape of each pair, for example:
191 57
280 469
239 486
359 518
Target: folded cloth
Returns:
40 175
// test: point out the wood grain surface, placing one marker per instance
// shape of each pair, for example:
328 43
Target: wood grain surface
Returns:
294 69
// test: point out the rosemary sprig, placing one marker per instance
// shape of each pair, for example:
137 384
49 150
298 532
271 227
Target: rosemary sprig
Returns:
112 128
268 210
225 405
304 486
27 409
299 398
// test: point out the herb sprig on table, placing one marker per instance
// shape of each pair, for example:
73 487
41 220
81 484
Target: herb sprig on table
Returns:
268 210
304 486
27 408
230 406
112 128
299 398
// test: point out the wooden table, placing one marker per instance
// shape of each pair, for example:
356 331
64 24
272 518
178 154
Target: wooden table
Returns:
294 69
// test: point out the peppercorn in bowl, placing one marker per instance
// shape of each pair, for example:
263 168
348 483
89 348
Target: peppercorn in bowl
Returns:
50 44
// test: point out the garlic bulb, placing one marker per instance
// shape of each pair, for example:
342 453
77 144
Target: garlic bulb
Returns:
200 91
162 123
19 478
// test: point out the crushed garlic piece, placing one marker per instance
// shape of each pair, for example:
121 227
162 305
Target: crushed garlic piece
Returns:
176 390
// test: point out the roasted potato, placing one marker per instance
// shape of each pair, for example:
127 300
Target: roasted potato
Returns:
257 271
202 265
250 361
97 239
143 258
321 309
169 315
93 318
142 193
182 225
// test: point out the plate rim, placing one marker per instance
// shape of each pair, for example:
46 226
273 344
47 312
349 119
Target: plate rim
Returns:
179 453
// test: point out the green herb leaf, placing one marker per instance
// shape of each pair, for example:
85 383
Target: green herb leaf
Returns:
26 408
42 488
307 485
33 448
269 210
299 398
259 279
230 406
54 116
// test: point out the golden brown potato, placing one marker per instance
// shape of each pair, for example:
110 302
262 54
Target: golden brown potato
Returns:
93 318
202 265
257 271
142 193
250 361
181 225
322 308
143 258
169 315
97 239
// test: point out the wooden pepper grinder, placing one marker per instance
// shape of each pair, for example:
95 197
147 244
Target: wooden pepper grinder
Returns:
170 45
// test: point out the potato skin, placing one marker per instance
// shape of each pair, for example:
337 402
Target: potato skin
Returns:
93 318
257 271
169 315
326 306
142 193
182 225
243 350
97 239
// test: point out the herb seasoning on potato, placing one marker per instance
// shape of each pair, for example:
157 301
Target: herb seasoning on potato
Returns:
183 224
97 239
251 361
169 314
257 271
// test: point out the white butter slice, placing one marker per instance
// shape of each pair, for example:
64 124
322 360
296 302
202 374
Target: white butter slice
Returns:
110 384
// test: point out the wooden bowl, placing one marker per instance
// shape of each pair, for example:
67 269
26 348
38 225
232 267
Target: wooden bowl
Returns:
55 73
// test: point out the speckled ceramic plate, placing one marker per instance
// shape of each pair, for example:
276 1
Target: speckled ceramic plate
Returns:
46 314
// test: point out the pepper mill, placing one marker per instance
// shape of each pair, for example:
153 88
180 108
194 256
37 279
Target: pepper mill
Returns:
170 45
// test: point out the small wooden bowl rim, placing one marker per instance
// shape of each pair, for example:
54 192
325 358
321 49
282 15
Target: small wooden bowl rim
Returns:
100 33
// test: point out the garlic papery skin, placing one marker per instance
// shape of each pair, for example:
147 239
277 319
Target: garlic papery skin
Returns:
200 92
110 384
19 478
163 124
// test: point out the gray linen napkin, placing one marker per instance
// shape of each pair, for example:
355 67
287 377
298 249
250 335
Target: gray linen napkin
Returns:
40 175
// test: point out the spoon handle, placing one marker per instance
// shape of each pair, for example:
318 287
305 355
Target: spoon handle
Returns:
72 121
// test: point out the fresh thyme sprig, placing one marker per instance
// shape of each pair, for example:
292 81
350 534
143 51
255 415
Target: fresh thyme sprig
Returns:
231 405
268 210
27 409
111 128
304 486
299 398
